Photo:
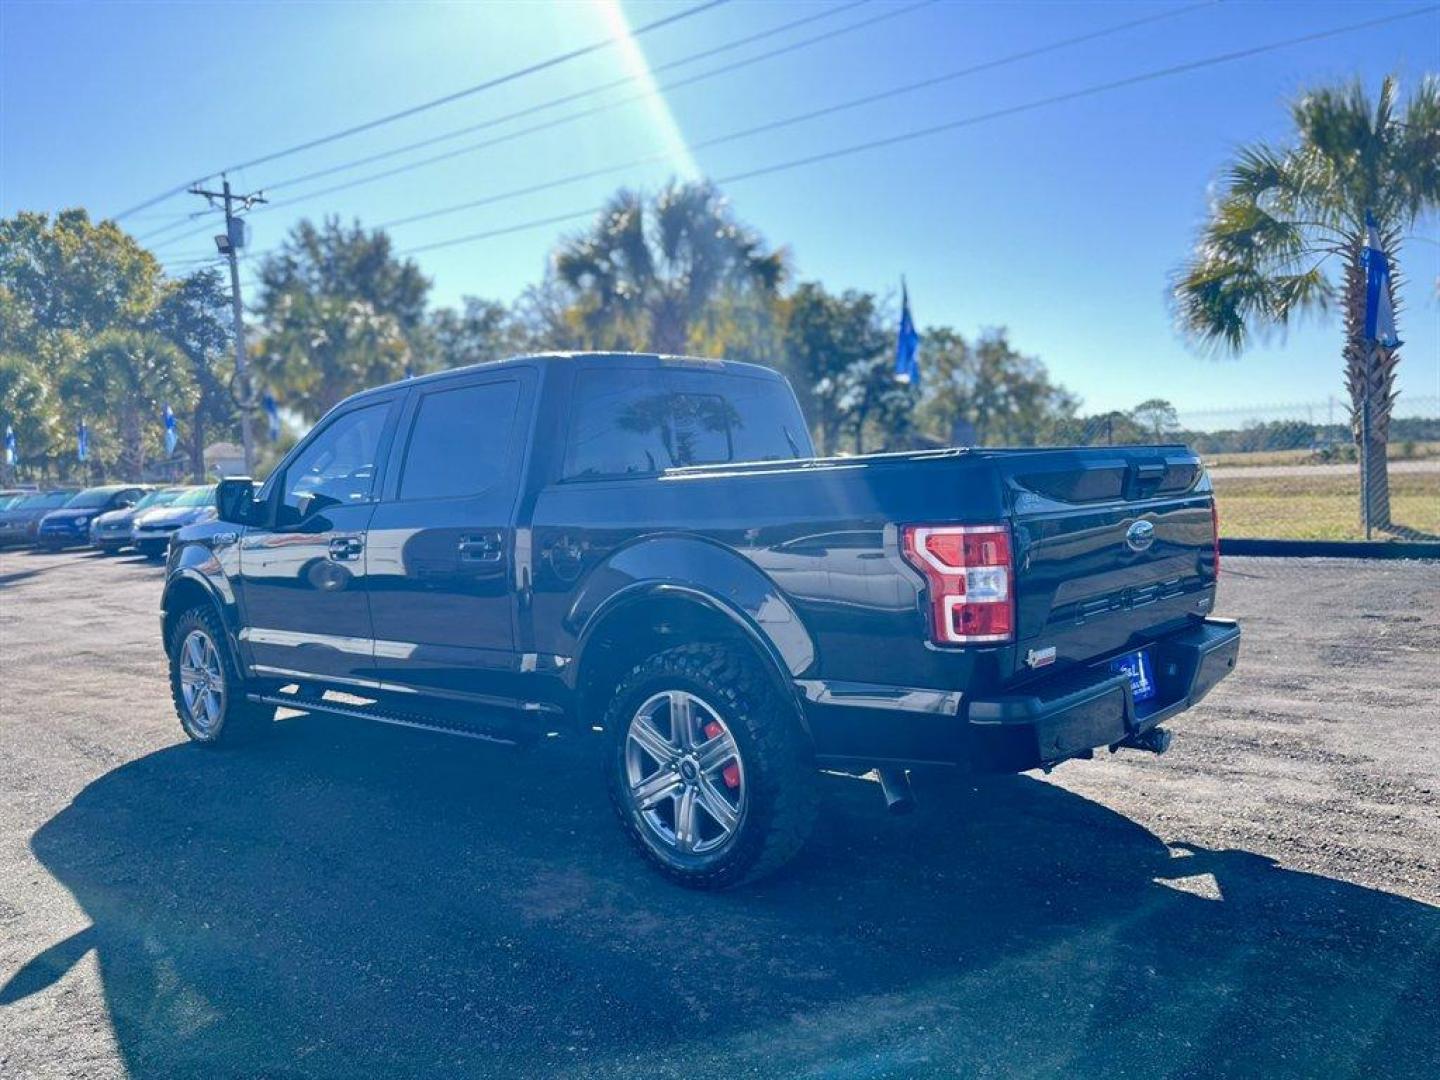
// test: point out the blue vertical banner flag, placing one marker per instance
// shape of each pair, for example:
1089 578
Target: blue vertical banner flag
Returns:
272 413
1379 312
907 344
10 455
82 442
171 437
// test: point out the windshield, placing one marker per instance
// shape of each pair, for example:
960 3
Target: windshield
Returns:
46 500
90 497
7 501
201 496
159 498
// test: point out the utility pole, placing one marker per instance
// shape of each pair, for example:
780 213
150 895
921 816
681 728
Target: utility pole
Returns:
229 246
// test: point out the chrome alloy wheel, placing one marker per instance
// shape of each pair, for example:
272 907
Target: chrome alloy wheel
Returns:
684 773
202 683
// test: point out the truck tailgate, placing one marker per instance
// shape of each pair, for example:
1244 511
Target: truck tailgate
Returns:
1114 547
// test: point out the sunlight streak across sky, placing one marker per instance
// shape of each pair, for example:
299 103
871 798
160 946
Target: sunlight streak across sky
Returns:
633 62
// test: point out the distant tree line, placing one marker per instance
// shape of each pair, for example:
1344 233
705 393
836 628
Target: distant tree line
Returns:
91 328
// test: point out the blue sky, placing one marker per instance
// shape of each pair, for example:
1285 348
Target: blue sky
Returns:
1062 223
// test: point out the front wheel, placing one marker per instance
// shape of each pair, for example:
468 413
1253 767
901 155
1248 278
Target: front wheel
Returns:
208 693
709 770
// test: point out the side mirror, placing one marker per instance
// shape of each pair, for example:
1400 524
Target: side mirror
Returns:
235 500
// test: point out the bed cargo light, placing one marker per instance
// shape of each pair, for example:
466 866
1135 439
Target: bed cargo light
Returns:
968 573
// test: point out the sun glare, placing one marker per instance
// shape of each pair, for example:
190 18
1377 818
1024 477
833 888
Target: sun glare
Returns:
632 59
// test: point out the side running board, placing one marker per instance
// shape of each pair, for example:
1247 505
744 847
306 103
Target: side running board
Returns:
377 712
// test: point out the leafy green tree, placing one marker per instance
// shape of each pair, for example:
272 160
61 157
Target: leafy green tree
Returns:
348 263
318 350
945 409
1156 416
479 331
647 273
72 279
339 312
1284 212
825 336
194 315
742 326
544 319
121 387
1004 396
28 405
63 281
873 400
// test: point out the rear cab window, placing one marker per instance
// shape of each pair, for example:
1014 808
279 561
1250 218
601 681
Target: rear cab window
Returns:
638 421
461 441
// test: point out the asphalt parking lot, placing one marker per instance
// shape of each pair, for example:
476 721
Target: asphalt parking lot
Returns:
347 900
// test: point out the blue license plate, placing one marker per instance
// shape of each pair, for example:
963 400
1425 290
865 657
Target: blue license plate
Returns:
1142 675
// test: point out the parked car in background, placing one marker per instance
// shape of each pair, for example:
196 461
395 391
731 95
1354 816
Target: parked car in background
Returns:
10 496
20 522
110 532
69 526
150 533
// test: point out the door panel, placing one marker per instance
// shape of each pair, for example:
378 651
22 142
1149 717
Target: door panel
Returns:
304 588
441 544
303 580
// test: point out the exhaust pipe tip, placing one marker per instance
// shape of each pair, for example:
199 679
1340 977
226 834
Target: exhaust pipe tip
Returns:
895 785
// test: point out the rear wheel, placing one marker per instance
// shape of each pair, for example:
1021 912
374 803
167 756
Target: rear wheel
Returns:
206 687
709 770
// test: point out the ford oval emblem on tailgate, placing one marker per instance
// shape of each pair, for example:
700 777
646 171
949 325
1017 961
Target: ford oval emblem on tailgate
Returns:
1140 536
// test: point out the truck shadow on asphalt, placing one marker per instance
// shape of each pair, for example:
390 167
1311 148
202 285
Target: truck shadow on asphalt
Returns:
351 900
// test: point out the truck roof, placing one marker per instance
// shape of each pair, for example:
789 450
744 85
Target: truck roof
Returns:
583 358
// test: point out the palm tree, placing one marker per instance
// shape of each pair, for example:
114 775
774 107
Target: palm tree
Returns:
1285 212
123 383
319 349
645 275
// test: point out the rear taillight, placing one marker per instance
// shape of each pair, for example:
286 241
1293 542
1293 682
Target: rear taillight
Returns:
1215 536
968 578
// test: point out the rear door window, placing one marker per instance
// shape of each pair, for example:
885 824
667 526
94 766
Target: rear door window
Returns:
461 441
638 421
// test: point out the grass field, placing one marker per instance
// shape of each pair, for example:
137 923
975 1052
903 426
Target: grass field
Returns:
1402 451
1323 507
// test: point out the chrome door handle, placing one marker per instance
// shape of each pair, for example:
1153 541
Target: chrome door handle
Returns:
346 547
484 547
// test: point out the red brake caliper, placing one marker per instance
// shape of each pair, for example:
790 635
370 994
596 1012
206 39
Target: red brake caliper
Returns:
731 772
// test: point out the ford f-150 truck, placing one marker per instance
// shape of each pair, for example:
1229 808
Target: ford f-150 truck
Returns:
647 546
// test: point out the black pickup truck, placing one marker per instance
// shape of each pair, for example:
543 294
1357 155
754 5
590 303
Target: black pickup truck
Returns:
647 546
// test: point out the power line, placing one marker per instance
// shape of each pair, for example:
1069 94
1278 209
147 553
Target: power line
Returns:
187 219
813 114
172 241
591 111
935 129
390 118
565 99
569 117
